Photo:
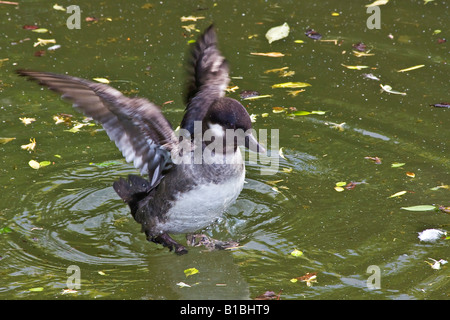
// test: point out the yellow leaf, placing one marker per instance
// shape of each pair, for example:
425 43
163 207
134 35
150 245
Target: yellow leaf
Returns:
6 140
190 18
354 67
58 7
30 146
268 54
40 30
26 120
412 68
398 194
291 85
190 271
101 80
259 97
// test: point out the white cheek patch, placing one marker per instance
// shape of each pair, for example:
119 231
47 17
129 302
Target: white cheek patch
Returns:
216 130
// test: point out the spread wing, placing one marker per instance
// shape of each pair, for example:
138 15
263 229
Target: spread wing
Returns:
207 80
137 126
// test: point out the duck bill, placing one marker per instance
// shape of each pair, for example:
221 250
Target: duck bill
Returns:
252 144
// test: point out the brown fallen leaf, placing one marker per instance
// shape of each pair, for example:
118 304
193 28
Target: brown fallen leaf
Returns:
374 159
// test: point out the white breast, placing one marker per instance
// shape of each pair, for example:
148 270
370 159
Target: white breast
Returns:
201 206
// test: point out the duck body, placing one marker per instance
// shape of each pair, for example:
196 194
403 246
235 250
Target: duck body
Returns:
179 196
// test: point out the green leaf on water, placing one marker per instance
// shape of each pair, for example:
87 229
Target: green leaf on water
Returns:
424 207
305 113
38 289
5 230
296 253
397 165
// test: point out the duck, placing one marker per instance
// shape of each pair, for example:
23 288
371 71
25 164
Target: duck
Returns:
193 175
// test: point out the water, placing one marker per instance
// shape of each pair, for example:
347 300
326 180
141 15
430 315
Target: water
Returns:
67 213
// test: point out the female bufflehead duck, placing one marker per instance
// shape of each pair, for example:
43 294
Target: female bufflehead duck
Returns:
193 177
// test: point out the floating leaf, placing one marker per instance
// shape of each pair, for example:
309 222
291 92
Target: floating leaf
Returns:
305 113
183 285
312 34
27 121
44 163
291 85
101 80
377 3
190 271
268 54
444 209
278 33
299 41
30 146
410 174
431 235
388 89
374 159
43 42
398 194
354 67
278 109
423 207
296 253
412 68
259 97
190 18
441 105
66 291
437 264
309 278
38 289
40 30
58 7
6 140
37 165
397 165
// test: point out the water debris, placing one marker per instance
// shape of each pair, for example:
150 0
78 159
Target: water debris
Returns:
309 278
27 121
370 76
437 264
312 34
6 140
412 68
377 3
387 88
423 207
190 18
30 146
431 235
291 85
43 42
268 54
441 105
355 67
277 33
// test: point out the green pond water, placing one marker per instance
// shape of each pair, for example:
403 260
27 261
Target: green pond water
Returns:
67 213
